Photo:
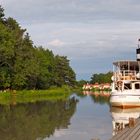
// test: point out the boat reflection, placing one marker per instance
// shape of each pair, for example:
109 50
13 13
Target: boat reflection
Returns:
122 118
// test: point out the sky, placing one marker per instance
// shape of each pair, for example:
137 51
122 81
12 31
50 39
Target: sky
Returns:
91 33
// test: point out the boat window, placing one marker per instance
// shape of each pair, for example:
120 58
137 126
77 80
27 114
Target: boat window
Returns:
127 86
137 86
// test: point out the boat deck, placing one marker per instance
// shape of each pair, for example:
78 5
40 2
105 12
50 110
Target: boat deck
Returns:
129 133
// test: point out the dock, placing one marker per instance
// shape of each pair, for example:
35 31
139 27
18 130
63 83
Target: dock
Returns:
129 132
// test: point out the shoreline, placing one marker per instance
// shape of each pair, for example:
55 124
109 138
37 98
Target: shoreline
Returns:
28 96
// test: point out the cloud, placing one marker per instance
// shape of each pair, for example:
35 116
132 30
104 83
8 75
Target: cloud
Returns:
72 10
97 39
91 33
59 133
56 43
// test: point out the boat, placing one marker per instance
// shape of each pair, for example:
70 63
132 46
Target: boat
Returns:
125 92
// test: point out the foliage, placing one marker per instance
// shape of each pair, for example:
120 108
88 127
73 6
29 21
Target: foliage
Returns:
101 78
25 66
26 96
81 83
1 13
63 72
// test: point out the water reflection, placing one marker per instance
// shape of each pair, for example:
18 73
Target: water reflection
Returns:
99 97
122 118
35 120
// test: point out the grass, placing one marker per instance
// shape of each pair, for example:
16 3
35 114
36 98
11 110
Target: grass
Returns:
26 96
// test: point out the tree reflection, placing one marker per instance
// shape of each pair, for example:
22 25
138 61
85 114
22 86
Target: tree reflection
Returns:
100 97
35 120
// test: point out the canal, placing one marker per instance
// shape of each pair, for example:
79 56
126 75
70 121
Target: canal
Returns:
91 120
84 116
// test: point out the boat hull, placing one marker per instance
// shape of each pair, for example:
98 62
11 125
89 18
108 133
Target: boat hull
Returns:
125 99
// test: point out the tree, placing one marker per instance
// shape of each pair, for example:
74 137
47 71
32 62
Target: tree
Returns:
82 82
6 56
101 78
1 13
45 60
63 72
25 66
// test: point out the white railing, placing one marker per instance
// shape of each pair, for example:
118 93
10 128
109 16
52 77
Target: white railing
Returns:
125 75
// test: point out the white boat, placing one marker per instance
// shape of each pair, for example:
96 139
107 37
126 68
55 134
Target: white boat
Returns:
126 83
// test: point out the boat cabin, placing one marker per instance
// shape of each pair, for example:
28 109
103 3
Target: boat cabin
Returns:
126 75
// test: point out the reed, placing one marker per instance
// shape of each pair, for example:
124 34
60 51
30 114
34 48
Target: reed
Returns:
24 96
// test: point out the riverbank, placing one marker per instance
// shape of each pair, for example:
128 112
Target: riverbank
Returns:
25 96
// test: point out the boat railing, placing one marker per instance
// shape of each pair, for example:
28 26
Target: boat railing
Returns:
125 75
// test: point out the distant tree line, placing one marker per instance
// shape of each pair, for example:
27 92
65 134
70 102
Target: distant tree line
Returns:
101 78
82 82
25 66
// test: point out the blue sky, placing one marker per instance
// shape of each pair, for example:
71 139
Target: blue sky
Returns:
91 33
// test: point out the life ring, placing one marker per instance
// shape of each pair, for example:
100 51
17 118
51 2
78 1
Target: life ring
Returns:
119 83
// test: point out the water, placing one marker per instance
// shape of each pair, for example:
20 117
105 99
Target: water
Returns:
82 117
92 120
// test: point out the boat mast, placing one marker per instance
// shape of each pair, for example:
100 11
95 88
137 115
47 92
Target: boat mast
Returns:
138 54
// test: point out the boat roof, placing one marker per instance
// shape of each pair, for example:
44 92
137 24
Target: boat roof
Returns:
126 62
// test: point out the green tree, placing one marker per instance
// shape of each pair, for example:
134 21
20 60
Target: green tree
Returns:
101 78
45 60
1 13
25 66
6 55
63 72
82 82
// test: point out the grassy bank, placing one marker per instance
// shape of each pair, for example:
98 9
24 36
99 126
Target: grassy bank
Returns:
24 96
